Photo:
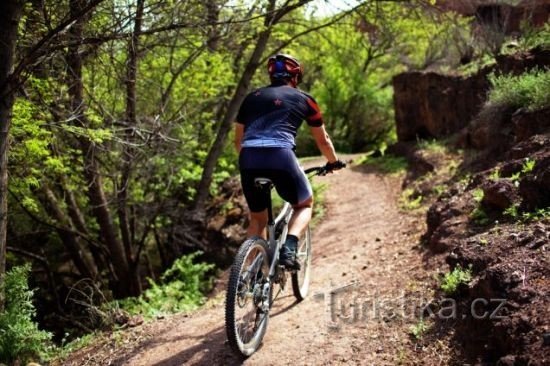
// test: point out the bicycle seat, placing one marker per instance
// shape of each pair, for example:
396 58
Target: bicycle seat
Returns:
263 182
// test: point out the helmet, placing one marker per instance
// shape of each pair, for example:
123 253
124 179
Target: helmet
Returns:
283 66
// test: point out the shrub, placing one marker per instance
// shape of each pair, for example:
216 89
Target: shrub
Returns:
410 200
20 338
418 330
182 288
455 278
530 90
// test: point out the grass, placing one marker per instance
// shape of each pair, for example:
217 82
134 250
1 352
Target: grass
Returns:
512 211
418 330
389 164
408 201
433 145
452 280
478 194
439 189
61 353
530 90
319 202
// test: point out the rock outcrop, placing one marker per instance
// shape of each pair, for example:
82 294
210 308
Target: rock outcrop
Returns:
431 105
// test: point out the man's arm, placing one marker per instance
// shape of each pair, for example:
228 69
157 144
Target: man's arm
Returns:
239 132
324 143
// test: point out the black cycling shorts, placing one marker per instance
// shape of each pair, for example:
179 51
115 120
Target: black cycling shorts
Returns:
278 164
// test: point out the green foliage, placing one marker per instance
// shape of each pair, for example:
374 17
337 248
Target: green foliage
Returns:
439 189
495 175
20 338
418 330
528 166
182 288
539 214
59 353
452 280
349 68
478 194
530 90
479 216
319 201
410 200
512 211
433 145
534 37
388 163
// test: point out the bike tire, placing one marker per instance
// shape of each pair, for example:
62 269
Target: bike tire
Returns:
301 278
238 290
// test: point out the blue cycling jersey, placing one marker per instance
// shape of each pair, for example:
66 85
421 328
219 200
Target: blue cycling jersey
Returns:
272 115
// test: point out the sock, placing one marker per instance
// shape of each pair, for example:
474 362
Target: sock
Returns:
291 242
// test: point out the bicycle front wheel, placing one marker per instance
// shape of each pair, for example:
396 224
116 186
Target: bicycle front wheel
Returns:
300 279
248 298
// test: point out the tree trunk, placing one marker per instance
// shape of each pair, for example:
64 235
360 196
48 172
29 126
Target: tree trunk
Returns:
10 14
125 285
79 255
230 115
128 153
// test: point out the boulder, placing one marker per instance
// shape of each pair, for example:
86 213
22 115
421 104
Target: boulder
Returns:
499 195
529 147
527 124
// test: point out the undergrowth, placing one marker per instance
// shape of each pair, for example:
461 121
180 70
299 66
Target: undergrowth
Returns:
20 338
452 280
182 288
530 90
410 200
387 163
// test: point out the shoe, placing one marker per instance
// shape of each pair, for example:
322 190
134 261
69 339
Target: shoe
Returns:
288 258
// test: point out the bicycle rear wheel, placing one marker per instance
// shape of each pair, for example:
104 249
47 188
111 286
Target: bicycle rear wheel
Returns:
300 279
248 298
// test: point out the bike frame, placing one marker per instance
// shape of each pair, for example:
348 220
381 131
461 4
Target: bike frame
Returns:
282 218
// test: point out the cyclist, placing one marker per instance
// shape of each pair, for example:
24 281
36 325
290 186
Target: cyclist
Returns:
265 132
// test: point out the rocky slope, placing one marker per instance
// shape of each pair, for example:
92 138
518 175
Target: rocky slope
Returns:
491 220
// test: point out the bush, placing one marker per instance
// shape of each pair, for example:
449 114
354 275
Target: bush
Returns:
20 338
182 288
530 90
455 278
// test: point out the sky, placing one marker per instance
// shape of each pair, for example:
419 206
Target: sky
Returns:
330 7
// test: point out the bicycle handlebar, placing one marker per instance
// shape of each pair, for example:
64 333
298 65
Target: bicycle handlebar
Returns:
325 169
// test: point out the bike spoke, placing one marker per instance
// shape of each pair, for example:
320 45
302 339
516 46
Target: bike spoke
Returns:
248 318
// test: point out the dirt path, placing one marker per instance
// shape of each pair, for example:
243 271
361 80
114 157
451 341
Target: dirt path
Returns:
364 243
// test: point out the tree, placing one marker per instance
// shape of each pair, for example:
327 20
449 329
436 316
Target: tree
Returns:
10 14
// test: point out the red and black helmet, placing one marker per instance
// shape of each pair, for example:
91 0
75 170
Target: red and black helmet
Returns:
283 66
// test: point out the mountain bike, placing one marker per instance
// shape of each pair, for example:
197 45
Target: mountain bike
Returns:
256 270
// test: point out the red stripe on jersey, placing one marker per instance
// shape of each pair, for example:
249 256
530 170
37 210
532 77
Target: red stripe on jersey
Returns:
315 107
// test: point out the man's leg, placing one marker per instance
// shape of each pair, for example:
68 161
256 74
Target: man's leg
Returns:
298 223
300 217
258 223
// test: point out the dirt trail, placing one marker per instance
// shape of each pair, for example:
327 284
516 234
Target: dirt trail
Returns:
365 242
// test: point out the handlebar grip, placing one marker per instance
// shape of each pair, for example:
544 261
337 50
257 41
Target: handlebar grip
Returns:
338 164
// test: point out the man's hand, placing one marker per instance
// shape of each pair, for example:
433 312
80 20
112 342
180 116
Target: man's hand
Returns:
338 164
